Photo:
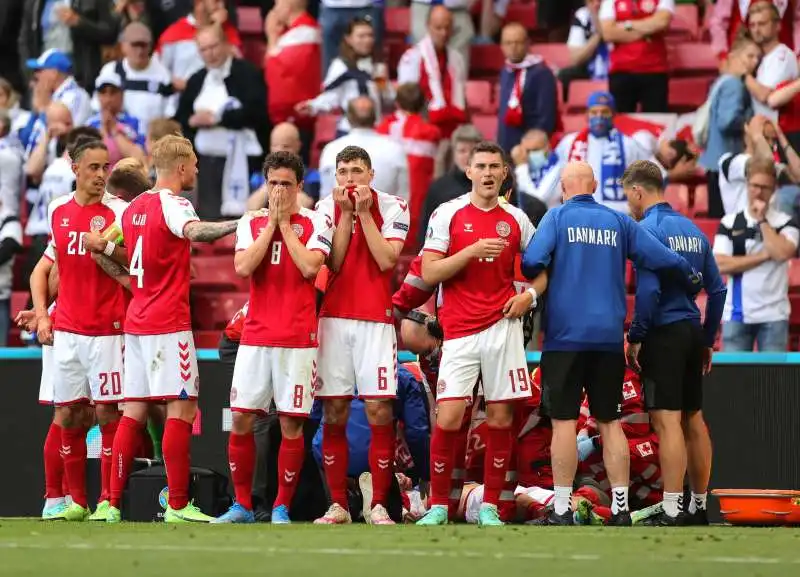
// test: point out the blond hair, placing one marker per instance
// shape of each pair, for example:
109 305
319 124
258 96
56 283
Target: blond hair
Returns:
170 151
161 127
764 6
129 178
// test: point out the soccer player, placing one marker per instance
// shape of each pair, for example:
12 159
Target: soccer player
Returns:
583 246
666 338
87 334
472 242
160 362
357 342
281 249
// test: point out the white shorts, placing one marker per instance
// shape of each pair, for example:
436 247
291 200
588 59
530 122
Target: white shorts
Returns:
497 354
87 368
47 393
161 367
360 354
264 373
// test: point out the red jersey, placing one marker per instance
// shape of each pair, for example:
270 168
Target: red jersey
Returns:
158 254
233 330
414 293
789 114
360 290
473 300
89 301
648 55
282 309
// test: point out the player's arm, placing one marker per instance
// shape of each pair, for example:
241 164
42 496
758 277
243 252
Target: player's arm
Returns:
539 252
198 231
250 253
39 293
383 250
716 291
723 254
113 269
780 245
648 292
52 282
307 261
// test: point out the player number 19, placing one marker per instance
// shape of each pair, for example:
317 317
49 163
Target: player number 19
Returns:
519 381
136 263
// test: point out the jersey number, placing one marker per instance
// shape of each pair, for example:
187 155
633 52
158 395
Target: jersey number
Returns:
518 381
277 247
297 398
75 245
383 382
136 263
112 379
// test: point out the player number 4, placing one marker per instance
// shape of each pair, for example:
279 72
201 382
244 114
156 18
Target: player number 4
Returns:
519 380
136 269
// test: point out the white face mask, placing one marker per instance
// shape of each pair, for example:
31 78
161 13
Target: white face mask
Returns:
537 159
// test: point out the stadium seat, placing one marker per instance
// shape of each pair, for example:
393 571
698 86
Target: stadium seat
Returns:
486 61
525 14
692 59
709 227
573 122
253 50
685 22
398 21
19 302
794 316
699 202
395 48
794 275
486 125
250 21
479 97
579 92
222 246
677 195
325 129
216 274
555 55
212 311
688 94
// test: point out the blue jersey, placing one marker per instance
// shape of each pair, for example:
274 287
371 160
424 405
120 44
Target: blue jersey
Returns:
663 303
583 246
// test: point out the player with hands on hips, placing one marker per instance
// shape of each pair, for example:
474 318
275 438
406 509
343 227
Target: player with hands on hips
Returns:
470 250
357 342
281 250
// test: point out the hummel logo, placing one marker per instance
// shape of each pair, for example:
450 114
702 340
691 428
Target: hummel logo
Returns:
65 450
233 467
467 227
289 476
438 468
329 459
64 222
106 452
498 463
383 463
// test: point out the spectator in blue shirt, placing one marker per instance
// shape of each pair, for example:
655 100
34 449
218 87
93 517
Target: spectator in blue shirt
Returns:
120 130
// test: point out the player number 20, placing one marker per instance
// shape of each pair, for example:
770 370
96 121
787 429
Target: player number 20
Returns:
112 380
136 263
277 246
519 380
75 245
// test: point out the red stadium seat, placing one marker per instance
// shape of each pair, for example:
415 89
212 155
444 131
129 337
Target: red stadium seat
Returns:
486 125
573 122
794 316
554 54
19 302
677 195
692 59
212 311
325 129
486 61
250 21
525 14
479 96
253 50
700 201
685 22
579 92
709 227
688 94
216 274
794 276
395 48
398 21
224 245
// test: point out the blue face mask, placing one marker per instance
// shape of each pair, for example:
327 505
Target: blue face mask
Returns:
600 126
537 159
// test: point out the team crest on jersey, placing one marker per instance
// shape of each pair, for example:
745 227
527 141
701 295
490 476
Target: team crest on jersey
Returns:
97 223
440 387
298 229
503 229
648 6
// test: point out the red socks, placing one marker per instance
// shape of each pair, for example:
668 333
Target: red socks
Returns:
107 433
73 443
176 447
126 443
242 457
53 463
381 461
334 460
459 464
442 445
290 462
498 459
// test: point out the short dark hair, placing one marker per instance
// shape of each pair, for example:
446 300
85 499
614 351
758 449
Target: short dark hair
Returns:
76 133
128 178
351 153
643 173
409 97
83 144
284 159
490 147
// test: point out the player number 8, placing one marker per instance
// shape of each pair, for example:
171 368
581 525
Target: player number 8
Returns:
276 252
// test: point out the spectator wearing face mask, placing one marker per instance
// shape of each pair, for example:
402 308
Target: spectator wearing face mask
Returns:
606 149
532 159
527 90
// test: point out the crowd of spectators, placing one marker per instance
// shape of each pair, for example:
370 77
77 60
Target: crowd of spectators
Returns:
134 70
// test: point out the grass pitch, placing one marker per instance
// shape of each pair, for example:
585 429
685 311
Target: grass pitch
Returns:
36 548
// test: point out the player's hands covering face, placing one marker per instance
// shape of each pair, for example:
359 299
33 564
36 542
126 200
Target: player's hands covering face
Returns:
279 204
342 199
363 196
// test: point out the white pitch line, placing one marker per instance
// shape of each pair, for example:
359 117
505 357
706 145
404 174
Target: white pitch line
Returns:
347 552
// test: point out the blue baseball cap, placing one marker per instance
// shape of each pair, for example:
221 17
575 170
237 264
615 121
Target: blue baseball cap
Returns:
51 60
601 98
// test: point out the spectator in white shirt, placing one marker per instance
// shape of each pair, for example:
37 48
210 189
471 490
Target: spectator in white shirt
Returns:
388 157
779 63
10 245
587 51
10 167
753 247
146 83
335 17
9 101
463 28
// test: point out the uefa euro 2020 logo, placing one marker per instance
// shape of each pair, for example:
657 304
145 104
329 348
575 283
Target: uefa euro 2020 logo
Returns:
163 498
